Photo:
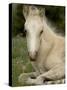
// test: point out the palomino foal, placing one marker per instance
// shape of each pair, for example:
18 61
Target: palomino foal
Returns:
45 47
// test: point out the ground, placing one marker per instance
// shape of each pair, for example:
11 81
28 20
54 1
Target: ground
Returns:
20 59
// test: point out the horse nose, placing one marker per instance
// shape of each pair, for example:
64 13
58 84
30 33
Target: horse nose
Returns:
33 55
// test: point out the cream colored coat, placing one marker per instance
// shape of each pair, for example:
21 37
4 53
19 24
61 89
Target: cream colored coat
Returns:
49 64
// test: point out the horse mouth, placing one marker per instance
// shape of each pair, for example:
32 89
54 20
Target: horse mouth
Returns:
32 56
32 59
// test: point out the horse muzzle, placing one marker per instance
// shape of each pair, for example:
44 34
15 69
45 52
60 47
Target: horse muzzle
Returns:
33 56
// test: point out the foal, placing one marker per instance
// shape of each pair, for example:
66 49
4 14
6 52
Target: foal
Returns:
45 47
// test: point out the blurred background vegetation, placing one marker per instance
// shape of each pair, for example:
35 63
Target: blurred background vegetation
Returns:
20 59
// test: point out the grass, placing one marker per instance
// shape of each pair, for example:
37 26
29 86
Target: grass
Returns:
20 59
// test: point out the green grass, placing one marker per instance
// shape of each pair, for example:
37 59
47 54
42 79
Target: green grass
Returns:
20 59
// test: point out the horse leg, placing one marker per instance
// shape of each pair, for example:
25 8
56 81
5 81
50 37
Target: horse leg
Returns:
60 81
56 73
24 78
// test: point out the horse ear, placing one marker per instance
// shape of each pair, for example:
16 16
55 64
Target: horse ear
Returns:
25 10
39 10
42 12
32 7
33 10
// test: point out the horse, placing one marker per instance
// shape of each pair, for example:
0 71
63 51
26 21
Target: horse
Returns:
45 49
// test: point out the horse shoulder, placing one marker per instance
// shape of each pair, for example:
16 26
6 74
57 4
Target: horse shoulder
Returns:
56 53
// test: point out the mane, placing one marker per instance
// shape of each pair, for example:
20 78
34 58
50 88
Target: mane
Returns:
52 28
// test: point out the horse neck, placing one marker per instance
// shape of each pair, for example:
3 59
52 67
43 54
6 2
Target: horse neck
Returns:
49 35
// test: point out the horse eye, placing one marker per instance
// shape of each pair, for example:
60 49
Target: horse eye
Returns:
41 32
25 31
